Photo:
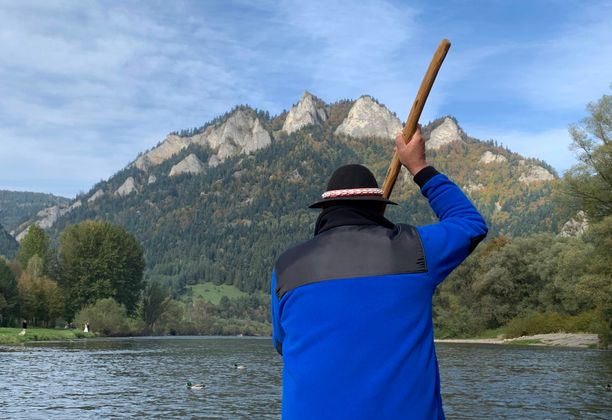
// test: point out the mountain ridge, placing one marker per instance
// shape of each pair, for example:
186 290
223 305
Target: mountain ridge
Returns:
227 219
17 207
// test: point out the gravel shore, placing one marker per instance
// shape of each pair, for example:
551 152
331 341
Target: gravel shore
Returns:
579 340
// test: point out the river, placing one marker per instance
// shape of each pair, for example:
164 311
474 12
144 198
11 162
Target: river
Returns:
146 377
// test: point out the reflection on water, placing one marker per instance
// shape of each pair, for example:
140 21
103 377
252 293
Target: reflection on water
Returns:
146 377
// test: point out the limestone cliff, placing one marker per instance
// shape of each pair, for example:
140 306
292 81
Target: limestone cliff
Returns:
533 173
445 133
45 219
489 157
492 175
367 118
191 165
310 110
166 149
241 132
128 187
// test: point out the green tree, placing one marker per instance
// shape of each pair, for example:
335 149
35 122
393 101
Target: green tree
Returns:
41 300
9 295
201 315
155 299
106 316
35 242
590 182
172 320
100 260
35 267
595 284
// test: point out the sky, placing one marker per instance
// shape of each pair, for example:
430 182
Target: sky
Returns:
87 85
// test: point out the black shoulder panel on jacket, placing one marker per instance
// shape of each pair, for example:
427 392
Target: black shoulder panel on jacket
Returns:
348 252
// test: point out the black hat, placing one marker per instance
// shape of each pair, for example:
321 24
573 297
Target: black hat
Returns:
351 183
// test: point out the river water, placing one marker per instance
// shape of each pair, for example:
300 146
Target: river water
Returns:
146 377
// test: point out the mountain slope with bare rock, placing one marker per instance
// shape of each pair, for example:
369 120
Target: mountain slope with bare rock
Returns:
219 203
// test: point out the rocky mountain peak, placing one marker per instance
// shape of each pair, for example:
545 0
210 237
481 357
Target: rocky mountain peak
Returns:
490 157
309 110
242 132
165 150
191 164
445 133
128 187
368 118
533 173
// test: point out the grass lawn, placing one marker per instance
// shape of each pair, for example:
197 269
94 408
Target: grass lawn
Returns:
213 293
11 335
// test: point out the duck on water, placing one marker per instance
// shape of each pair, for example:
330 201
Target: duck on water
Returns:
195 386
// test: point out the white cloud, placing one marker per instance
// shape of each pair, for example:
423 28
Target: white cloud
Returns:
86 87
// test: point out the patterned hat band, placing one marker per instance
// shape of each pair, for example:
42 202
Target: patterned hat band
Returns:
353 192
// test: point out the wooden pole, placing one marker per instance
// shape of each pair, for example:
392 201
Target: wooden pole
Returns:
415 112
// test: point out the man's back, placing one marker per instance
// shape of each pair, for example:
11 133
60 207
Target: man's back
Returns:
351 308
358 339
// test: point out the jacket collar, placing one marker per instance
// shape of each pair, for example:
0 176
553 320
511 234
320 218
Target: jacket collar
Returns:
343 215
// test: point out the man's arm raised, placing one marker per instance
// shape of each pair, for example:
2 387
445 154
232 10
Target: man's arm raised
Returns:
461 226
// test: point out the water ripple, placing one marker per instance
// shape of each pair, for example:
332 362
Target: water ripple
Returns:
146 377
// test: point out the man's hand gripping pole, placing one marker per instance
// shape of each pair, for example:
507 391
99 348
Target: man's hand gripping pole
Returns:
415 112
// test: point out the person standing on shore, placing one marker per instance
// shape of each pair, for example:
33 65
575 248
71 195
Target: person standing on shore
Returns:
24 327
351 307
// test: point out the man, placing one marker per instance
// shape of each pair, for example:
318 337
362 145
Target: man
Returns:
351 308
24 327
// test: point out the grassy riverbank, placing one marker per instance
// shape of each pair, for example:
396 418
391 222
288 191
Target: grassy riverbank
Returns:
11 335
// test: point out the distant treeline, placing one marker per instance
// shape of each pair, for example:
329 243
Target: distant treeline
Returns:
95 277
543 283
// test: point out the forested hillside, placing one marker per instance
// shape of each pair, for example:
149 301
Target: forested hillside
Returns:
217 204
8 244
18 206
227 221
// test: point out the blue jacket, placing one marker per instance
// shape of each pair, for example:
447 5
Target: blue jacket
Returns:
352 313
